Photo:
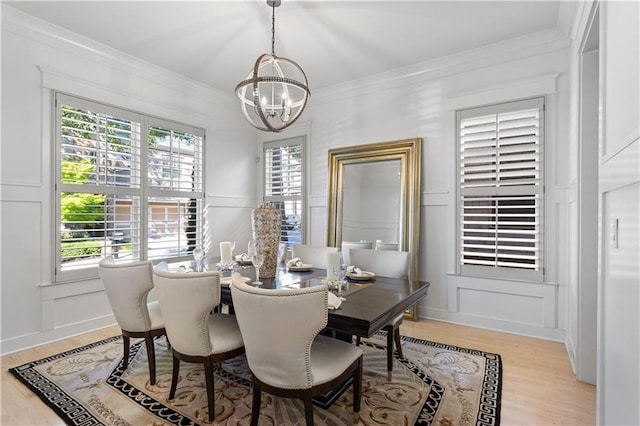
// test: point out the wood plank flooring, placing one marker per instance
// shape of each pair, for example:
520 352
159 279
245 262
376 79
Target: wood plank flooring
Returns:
538 387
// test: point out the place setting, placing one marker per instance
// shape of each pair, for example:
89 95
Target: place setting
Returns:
297 265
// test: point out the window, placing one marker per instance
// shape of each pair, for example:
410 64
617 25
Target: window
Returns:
501 190
284 185
128 185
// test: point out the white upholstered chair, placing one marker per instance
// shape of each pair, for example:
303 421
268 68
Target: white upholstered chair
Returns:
285 354
387 246
348 245
393 264
196 335
317 256
127 286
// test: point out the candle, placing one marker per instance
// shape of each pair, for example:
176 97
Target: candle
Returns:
333 261
225 252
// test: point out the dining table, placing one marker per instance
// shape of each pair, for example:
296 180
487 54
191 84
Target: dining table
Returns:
366 307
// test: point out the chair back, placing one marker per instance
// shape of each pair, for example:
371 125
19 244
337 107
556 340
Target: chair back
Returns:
348 245
387 246
278 328
317 256
392 264
127 286
186 301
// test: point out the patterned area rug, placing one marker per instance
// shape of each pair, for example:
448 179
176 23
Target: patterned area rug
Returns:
435 384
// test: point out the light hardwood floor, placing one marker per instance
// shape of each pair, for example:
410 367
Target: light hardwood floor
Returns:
538 385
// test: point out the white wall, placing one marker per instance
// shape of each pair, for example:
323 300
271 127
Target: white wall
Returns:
618 390
38 58
420 101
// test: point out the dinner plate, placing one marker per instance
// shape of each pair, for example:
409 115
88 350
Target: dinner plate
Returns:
362 276
301 268
245 261
227 280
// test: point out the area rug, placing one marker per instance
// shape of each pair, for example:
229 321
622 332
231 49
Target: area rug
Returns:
435 384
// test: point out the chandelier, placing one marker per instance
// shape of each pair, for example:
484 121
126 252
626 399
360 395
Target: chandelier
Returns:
276 91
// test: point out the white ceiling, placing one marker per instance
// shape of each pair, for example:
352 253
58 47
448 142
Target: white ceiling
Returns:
217 42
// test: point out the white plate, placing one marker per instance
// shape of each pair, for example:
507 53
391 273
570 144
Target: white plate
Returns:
227 280
301 268
245 261
362 276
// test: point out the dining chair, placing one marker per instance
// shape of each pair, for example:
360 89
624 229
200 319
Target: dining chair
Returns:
348 245
127 286
392 264
317 256
197 335
386 246
286 355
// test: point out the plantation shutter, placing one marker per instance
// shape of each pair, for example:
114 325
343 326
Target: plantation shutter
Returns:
175 188
501 189
128 186
283 185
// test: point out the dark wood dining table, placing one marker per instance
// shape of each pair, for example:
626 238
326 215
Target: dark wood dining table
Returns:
367 306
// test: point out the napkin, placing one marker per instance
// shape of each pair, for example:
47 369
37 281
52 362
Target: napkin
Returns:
294 262
333 301
243 257
354 270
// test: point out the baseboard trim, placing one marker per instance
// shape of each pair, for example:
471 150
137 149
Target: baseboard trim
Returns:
528 330
29 341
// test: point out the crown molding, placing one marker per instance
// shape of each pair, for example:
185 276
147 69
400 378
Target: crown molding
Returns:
24 25
536 44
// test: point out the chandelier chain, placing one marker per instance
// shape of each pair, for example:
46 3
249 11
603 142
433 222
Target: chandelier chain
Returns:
273 29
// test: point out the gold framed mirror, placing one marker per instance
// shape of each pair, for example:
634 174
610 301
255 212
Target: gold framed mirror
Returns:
374 194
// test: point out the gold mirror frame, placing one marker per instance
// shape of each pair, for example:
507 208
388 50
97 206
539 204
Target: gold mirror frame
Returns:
409 152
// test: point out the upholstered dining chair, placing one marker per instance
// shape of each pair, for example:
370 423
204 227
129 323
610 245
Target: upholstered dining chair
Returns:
127 286
286 355
393 264
196 335
386 246
317 256
348 245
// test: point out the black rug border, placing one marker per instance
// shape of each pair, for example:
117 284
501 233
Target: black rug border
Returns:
75 413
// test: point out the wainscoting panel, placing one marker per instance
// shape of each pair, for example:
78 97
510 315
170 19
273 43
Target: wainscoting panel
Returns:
512 306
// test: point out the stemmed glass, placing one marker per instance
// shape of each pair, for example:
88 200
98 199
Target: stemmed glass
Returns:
198 255
233 247
340 272
257 260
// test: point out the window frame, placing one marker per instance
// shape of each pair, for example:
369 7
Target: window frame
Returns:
301 141
505 272
140 191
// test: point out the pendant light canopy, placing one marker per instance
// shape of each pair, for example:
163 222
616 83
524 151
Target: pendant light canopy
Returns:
276 91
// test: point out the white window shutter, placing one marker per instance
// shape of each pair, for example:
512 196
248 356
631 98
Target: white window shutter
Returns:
501 188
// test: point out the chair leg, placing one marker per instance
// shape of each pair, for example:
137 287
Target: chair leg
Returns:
357 386
125 345
396 335
308 407
151 357
208 378
255 403
174 377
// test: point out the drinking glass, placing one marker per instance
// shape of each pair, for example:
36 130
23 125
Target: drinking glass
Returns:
340 272
198 255
257 260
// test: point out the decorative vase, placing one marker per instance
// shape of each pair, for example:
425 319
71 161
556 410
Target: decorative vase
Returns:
265 223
